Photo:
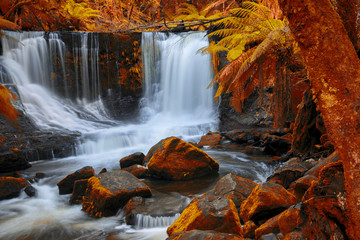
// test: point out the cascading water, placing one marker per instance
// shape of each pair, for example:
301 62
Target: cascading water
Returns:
29 62
176 103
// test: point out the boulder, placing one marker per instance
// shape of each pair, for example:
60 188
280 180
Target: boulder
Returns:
108 192
232 187
133 159
210 139
11 187
270 226
175 159
204 235
220 215
300 186
138 171
163 206
289 220
266 201
66 185
276 145
323 209
288 172
78 193
315 171
269 236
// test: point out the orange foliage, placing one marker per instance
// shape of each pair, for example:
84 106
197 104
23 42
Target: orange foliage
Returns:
6 108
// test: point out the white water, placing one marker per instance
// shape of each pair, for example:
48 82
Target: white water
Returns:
176 103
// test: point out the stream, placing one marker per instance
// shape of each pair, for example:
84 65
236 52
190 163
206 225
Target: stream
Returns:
175 102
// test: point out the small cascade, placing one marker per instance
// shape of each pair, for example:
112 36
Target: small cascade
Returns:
148 221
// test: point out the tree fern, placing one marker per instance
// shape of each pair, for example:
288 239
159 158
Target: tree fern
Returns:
250 25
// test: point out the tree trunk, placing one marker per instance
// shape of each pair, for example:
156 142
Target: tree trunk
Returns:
334 72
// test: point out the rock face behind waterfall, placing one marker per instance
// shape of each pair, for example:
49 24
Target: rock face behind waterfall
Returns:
108 192
175 159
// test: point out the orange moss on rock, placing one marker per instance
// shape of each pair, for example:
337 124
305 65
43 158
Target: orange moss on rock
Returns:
175 159
265 201
220 215
289 220
108 192
10 187
6 108
66 185
210 139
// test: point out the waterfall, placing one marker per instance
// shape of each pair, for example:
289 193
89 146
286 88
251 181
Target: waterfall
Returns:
175 102
32 63
176 75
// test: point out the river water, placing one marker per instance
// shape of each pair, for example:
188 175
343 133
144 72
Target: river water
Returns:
175 103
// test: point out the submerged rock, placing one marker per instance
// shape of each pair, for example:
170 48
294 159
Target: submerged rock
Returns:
137 158
66 185
11 187
30 191
108 192
204 235
175 159
219 215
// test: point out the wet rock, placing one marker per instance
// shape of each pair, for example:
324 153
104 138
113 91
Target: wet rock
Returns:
40 175
219 215
66 185
30 191
133 159
108 192
165 206
270 226
175 159
249 229
204 235
11 160
11 187
288 172
138 171
266 201
78 193
232 187
210 139
104 170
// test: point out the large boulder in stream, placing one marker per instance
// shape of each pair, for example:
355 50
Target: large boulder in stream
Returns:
66 185
108 192
11 187
219 215
265 201
175 159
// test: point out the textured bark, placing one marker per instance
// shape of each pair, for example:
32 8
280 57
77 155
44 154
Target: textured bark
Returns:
333 69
